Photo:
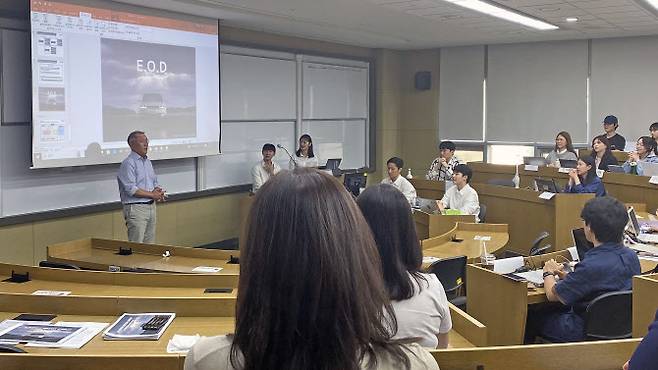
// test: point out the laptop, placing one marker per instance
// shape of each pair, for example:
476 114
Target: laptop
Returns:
581 242
426 205
649 169
568 163
534 161
636 228
332 164
548 185
615 168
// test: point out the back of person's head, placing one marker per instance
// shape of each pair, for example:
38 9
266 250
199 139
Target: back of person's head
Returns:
396 161
648 143
448 145
591 173
269 146
464 170
311 293
566 137
606 217
388 213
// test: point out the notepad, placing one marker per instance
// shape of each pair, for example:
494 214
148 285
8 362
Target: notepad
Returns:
207 269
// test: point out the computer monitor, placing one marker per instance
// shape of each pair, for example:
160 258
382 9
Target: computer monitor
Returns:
615 168
581 242
333 163
354 182
534 161
568 163
548 185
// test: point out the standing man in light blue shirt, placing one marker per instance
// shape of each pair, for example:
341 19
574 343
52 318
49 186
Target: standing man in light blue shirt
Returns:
139 190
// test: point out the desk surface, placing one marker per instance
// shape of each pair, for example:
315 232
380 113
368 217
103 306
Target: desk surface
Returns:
443 246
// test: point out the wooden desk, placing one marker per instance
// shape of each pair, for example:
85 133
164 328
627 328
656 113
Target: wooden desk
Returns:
645 303
526 214
99 254
431 225
599 355
80 282
443 246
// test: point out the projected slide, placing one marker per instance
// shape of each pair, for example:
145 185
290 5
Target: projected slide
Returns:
101 70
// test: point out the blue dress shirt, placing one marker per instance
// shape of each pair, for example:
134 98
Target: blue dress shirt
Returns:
136 172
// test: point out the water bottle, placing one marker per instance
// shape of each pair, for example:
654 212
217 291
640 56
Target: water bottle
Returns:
516 180
409 175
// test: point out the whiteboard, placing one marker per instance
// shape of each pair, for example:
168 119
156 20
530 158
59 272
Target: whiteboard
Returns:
28 191
334 92
257 88
339 139
242 143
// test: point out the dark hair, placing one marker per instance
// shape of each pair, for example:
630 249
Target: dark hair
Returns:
464 170
653 127
310 292
448 145
269 146
567 137
606 217
648 143
396 161
310 146
388 213
133 134
591 173
604 140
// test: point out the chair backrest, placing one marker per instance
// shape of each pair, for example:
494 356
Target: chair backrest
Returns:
537 242
450 271
501 182
540 250
483 213
58 265
610 316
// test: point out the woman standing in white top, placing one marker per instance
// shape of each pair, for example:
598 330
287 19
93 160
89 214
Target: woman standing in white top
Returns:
418 299
304 156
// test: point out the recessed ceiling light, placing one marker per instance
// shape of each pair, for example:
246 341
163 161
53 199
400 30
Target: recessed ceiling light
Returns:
571 19
549 9
501 12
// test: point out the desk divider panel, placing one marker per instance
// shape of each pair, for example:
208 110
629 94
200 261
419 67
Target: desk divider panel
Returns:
645 303
108 361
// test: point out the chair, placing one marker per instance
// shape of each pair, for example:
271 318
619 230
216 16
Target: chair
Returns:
58 265
8 348
609 316
538 251
451 272
501 182
535 248
483 213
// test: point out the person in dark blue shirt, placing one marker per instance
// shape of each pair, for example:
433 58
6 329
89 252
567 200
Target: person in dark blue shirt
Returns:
608 267
645 356
583 178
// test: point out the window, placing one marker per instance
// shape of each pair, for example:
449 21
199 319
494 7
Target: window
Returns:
509 154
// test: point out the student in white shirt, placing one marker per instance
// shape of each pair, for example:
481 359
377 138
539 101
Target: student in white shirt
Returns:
304 156
265 169
394 178
461 196
418 299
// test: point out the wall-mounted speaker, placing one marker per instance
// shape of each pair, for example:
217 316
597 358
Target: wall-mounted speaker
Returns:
423 80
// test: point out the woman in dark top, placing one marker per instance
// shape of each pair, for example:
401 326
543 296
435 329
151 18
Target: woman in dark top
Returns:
645 356
601 153
583 178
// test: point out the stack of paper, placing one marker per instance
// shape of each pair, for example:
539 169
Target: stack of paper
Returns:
46 334
131 326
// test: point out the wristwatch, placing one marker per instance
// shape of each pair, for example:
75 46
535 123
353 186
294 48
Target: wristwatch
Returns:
546 273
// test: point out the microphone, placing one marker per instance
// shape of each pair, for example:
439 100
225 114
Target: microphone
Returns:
289 155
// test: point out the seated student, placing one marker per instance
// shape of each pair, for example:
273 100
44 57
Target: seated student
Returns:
304 156
309 297
610 126
645 152
653 131
563 150
265 169
441 168
601 153
608 267
394 166
418 299
583 178
645 356
461 196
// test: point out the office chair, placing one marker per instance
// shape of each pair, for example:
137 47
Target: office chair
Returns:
451 272
483 213
58 265
8 348
541 250
536 244
501 182
617 305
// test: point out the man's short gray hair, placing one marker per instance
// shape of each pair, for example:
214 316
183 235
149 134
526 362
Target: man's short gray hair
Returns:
133 135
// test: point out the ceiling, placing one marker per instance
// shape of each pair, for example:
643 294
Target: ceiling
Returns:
420 24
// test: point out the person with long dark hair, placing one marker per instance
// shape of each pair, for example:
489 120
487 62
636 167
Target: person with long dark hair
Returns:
563 149
419 300
583 178
645 152
305 156
602 154
311 293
